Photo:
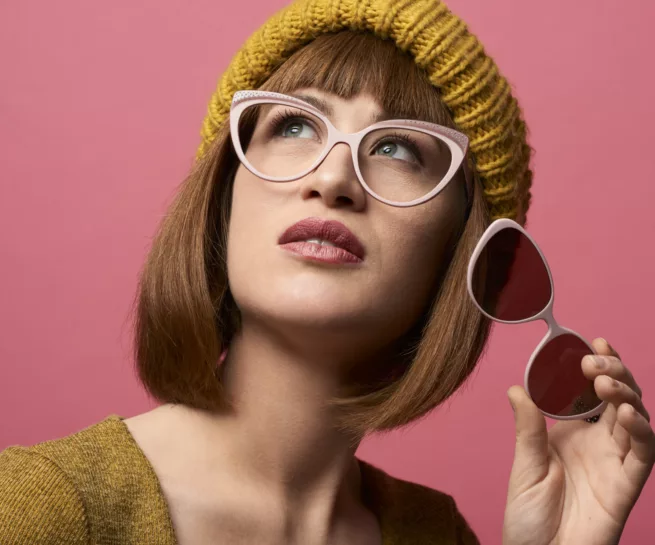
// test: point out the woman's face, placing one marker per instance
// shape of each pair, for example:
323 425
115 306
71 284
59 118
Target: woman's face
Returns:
373 300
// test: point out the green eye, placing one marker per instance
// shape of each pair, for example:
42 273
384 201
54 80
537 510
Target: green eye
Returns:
386 149
395 150
298 129
293 129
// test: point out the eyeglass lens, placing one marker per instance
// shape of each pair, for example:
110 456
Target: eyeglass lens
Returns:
511 283
397 164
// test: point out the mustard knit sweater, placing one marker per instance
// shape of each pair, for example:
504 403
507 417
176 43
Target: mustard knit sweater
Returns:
97 487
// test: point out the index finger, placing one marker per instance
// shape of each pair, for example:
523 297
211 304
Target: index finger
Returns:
605 348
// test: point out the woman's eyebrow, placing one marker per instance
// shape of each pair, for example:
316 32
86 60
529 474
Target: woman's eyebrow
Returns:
318 103
327 109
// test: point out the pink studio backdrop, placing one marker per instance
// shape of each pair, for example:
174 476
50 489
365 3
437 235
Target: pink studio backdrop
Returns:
100 109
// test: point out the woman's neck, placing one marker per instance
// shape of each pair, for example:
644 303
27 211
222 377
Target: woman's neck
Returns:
278 439
281 427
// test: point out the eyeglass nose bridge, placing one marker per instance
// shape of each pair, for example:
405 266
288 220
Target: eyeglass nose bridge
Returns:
352 140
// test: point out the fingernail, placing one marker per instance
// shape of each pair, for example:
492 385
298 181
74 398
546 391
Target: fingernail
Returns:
599 363
605 341
615 383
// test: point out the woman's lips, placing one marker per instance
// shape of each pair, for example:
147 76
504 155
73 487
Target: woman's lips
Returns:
318 252
303 237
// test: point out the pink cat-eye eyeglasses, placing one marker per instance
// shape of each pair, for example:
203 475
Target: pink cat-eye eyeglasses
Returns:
400 162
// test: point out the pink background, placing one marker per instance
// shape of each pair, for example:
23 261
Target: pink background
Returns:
100 109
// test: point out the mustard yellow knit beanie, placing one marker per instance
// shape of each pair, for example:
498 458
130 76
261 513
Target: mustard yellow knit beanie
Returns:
477 96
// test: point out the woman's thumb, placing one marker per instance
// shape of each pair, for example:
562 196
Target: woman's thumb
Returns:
531 452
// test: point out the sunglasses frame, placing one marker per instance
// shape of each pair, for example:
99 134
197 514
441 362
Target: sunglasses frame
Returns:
554 329
456 142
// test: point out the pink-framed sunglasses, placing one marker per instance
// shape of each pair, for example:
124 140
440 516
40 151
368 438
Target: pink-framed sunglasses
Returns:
510 282
400 162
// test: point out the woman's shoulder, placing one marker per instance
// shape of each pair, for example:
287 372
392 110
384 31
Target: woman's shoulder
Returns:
414 514
90 456
93 480
73 451
39 503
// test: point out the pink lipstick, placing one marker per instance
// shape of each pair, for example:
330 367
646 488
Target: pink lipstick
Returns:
318 239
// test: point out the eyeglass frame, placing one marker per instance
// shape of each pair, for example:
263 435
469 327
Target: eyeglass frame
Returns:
546 314
457 142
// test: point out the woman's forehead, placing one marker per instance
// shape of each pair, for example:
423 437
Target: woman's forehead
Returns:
330 104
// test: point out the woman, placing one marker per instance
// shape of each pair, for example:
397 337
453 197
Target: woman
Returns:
335 303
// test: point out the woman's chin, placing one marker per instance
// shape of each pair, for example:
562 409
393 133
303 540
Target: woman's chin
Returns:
315 314
336 309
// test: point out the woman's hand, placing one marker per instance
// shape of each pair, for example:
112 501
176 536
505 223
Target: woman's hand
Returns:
576 484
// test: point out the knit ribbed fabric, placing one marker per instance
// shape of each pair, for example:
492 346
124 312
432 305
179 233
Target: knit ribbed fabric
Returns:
476 94
97 487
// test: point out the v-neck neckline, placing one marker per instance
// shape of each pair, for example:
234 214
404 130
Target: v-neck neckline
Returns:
372 485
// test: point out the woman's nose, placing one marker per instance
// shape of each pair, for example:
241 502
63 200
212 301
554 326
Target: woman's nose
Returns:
335 180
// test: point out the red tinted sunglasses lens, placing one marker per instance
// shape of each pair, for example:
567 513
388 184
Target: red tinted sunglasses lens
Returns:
512 282
555 381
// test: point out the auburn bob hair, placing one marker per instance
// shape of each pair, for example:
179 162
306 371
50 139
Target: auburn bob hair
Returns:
184 313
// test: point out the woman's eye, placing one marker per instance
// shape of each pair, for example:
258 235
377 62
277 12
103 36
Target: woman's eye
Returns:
298 129
395 150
